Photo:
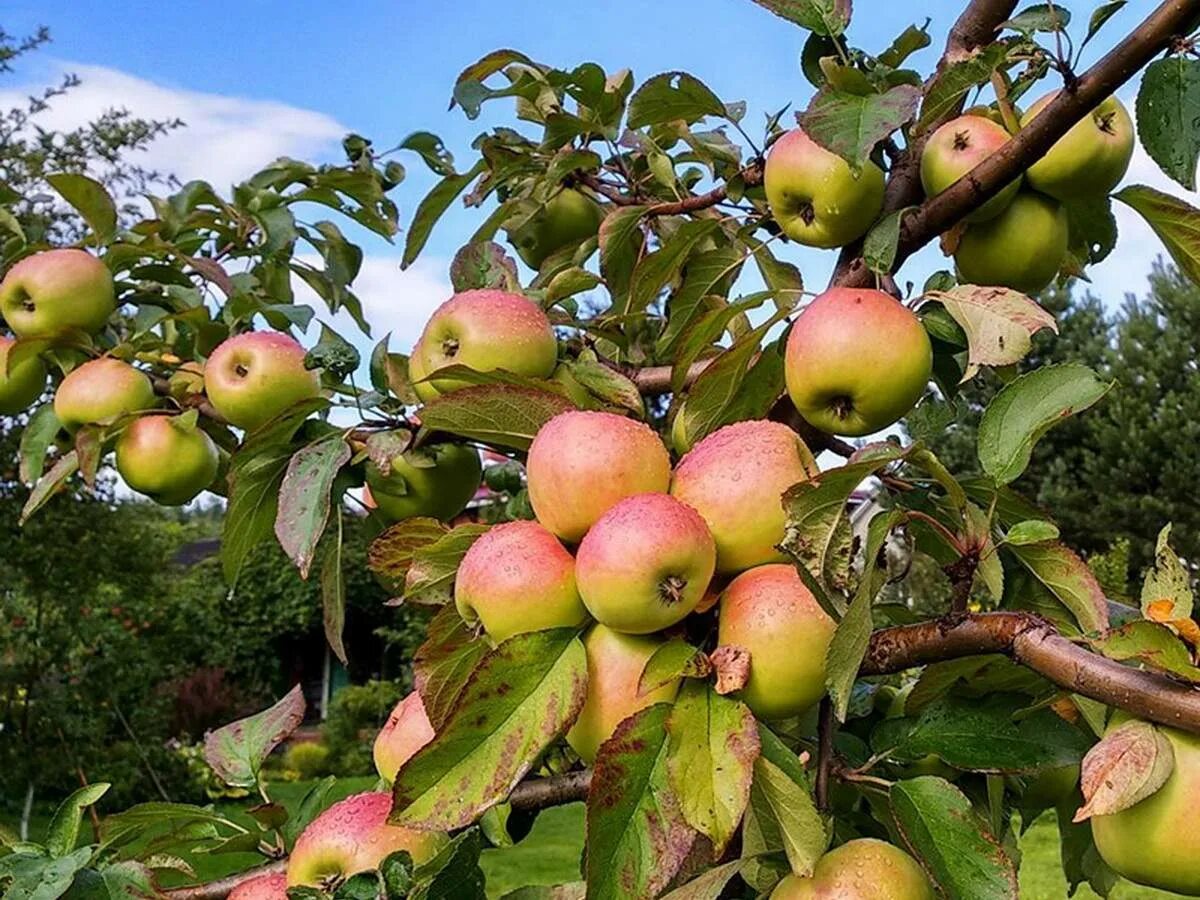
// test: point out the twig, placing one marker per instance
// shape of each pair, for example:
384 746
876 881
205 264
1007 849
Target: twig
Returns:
752 176
555 790
221 888
826 726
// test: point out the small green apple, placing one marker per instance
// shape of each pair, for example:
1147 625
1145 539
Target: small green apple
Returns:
168 462
21 387
856 361
955 149
251 378
861 869
816 197
101 391
57 291
568 218
1022 248
438 480
1090 159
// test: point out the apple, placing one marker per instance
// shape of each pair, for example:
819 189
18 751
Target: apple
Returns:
735 478
251 378
1022 248
168 462
354 836
645 564
406 731
484 330
816 197
437 480
861 869
1155 842
615 662
416 375
856 361
100 391
568 218
272 886
956 148
56 291
581 463
21 387
517 578
1090 159
770 612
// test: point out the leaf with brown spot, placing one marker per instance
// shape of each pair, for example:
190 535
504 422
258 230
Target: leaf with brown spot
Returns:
430 577
236 751
732 665
1167 584
637 836
304 497
499 414
1070 580
1131 762
671 661
1150 644
999 323
391 553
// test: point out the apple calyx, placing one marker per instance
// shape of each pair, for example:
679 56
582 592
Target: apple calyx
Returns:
962 140
670 589
1104 121
807 213
450 347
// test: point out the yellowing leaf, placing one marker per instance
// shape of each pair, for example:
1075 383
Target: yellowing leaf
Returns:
1127 766
998 322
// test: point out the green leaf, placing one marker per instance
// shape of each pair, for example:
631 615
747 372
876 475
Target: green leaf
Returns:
334 354
520 698
63 833
673 660
950 85
710 762
304 497
879 246
90 199
909 42
999 323
236 751
710 272
1149 644
708 886
1091 229
41 429
312 804
1026 408
483 264
333 594
1176 223
27 876
939 825
1168 107
637 834
1100 15
824 17
570 282
502 415
671 96
1066 576
656 270
436 202
609 385
482 69
1049 17
851 125
391 553
1167 582
47 486
1129 764
1031 531
431 149
620 244
430 578
454 872
442 665
793 815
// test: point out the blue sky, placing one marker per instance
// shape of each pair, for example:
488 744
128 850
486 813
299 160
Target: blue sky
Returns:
256 79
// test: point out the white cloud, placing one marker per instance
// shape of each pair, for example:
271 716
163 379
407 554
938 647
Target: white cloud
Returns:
394 300
225 138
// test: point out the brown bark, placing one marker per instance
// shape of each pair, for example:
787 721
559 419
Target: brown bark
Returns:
219 889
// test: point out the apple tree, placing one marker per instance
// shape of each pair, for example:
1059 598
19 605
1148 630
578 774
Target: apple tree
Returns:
668 611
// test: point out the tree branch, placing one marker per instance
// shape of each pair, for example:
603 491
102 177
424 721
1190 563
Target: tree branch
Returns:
554 790
162 387
939 213
221 888
826 727
752 176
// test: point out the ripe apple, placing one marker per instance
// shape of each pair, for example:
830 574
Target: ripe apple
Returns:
862 869
568 218
55 291
581 463
1022 248
406 731
955 149
735 478
168 462
251 378
437 480
1090 159
484 330
856 361
614 667
1155 842
272 886
517 578
770 612
645 564
100 391
353 836
816 197
23 385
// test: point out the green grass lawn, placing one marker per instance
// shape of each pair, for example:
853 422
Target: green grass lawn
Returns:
551 852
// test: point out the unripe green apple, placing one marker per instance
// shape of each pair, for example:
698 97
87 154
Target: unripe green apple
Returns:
735 478
770 612
862 869
955 149
517 578
816 197
568 218
21 387
254 377
437 480
406 731
272 886
1090 159
1022 248
55 291
353 836
1156 842
645 564
581 463
484 330
615 663
856 361
166 461
100 391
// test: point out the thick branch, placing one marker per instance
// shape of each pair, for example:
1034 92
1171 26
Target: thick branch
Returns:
554 790
219 889
1069 106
